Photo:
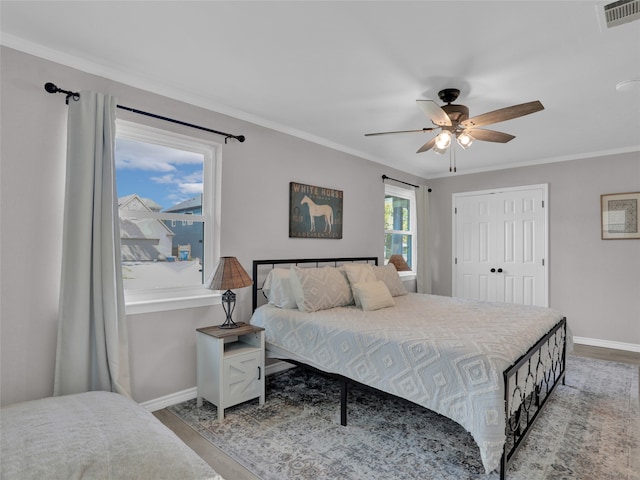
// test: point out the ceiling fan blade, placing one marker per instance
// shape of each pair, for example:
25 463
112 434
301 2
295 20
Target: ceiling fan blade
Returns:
427 146
503 114
400 131
489 135
432 110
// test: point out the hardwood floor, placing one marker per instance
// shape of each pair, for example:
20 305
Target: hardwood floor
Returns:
221 462
232 470
600 353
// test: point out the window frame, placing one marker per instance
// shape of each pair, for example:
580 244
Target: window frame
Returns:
409 194
165 299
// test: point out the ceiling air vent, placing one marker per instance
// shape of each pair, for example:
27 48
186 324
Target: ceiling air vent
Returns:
622 11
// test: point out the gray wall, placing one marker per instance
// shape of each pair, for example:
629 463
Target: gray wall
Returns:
255 196
594 282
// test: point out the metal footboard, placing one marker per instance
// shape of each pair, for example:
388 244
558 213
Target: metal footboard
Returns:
528 383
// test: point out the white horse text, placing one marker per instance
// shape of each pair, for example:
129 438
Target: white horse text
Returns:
316 191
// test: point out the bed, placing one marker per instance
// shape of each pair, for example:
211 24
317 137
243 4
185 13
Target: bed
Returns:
93 435
490 367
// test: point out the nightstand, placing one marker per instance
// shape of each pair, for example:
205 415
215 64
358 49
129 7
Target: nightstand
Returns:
230 365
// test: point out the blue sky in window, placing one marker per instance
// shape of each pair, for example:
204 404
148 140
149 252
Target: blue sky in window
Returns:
166 175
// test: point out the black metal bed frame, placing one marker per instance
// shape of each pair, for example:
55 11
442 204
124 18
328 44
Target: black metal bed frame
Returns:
530 395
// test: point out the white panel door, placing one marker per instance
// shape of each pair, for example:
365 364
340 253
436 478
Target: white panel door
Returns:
500 245
475 240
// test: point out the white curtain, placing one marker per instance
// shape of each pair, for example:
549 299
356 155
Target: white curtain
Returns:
423 271
92 351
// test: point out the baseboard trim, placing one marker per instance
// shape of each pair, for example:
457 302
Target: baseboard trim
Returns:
171 399
189 393
595 342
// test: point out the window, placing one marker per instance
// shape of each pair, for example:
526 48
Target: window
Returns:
400 223
168 206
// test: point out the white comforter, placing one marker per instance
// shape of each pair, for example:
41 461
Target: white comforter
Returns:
93 435
446 354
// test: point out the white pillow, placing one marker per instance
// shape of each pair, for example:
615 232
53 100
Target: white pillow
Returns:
319 288
277 288
359 273
373 295
389 275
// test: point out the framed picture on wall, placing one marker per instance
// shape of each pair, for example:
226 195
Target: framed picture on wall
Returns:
314 212
619 214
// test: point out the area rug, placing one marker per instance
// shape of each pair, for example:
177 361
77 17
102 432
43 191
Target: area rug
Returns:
590 430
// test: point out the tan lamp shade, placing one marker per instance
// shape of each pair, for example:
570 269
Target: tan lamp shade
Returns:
399 262
228 275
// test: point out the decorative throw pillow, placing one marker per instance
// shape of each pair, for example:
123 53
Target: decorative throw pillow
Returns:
389 275
373 295
319 288
277 288
359 273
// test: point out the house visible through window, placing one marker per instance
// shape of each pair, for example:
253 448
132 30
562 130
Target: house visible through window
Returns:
399 223
165 184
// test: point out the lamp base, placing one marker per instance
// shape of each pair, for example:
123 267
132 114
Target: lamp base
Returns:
228 324
228 304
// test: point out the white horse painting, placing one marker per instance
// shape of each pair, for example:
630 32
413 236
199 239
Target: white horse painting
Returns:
319 211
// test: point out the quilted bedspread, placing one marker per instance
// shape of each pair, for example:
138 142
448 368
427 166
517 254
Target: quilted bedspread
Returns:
93 435
446 354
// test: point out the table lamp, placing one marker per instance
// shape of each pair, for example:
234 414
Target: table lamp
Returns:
229 274
400 263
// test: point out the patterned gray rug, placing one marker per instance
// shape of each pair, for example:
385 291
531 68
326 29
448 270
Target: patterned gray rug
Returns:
590 430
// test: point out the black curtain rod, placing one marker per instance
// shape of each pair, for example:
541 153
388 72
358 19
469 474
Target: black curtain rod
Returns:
384 177
51 88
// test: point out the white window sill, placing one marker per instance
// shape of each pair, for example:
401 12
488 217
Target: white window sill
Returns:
165 300
407 275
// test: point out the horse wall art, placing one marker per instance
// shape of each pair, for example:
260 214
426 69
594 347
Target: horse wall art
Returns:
314 212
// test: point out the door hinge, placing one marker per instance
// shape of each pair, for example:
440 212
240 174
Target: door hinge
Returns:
543 262
455 260
542 203
455 210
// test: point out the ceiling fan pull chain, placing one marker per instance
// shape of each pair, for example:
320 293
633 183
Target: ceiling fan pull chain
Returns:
454 159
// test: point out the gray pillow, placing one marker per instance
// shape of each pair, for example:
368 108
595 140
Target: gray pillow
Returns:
319 288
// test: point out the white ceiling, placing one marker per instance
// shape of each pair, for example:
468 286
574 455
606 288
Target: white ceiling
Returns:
332 71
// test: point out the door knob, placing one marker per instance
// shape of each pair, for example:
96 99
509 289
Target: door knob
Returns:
493 270
499 270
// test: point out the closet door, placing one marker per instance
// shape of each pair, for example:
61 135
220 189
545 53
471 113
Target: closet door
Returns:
500 245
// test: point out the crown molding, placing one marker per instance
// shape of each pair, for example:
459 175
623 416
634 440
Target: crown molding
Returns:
176 92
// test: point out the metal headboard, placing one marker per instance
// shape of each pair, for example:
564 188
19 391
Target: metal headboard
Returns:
257 283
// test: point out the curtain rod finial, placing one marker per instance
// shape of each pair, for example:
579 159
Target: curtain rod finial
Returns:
50 87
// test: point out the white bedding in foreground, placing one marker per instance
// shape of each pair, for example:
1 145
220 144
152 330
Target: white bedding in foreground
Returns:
446 354
93 435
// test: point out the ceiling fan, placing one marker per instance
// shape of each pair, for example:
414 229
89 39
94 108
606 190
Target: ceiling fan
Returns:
454 122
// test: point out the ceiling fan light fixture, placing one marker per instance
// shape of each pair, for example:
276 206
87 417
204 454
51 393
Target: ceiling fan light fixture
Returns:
465 140
443 140
438 150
